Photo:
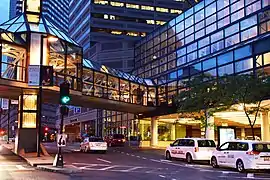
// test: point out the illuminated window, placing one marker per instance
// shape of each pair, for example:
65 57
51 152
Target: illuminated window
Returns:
143 34
117 4
176 11
132 34
162 9
150 21
134 6
101 2
148 8
111 17
160 22
116 32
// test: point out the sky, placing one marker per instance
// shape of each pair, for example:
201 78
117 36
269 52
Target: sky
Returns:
4 10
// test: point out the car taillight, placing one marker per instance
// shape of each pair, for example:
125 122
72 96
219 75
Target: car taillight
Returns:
253 153
123 140
196 149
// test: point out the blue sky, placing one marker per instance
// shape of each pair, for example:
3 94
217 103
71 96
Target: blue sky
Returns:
4 10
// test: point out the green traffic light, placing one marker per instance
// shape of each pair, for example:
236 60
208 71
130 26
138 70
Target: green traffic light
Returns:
65 99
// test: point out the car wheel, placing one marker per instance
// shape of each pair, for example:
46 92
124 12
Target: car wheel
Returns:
214 162
240 166
168 155
189 158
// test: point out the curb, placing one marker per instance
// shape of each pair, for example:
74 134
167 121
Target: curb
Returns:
58 170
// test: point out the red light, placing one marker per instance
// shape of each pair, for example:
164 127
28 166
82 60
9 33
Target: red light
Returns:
46 129
253 153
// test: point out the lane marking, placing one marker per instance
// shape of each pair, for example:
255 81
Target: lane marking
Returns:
144 158
161 176
165 160
106 168
127 154
131 169
103 160
138 156
154 160
132 155
20 167
122 152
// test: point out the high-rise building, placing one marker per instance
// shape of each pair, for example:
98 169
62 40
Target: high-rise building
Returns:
54 10
108 29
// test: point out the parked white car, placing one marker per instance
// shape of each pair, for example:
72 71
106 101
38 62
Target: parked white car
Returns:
242 154
191 149
93 144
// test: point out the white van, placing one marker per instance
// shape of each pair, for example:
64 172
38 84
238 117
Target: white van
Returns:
191 149
242 154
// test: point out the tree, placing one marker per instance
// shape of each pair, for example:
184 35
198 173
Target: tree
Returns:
250 90
203 96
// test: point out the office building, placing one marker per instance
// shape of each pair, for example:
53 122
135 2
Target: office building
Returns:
57 11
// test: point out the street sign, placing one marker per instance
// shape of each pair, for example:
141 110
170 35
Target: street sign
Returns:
33 75
61 140
77 110
4 104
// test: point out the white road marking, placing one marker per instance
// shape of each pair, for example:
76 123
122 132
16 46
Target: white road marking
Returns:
155 160
164 160
257 178
161 176
107 168
127 154
103 160
144 158
20 167
131 169
132 155
138 156
122 152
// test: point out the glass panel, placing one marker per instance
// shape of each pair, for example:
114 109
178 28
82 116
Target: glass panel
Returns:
242 52
225 58
199 16
232 29
248 22
217 46
225 70
222 3
195 68
204 42
211 9
266 59
237 6
254 7
250 33
217 36
212 73
243 65
204 51
210 63
232 40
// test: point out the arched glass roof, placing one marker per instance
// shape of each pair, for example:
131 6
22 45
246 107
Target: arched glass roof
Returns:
20 24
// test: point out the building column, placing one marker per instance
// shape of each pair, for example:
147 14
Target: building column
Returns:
265 134
173 132
27 124
210 130
141 130
243 133
154 131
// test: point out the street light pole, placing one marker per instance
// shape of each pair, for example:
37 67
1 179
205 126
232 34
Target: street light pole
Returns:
9 105
40 99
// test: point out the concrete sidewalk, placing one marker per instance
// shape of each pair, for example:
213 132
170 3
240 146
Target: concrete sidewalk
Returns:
67 169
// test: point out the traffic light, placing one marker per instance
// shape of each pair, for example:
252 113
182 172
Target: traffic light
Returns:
46 128
64 93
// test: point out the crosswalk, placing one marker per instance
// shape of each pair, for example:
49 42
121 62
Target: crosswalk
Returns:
120 168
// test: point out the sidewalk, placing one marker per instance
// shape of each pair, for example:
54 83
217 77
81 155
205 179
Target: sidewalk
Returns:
67 169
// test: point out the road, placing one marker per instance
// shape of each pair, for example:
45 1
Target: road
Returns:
133 164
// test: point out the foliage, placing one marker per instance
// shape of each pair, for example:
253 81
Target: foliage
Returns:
205 95
250 90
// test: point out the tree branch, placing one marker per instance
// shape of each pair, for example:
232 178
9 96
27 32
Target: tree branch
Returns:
257 111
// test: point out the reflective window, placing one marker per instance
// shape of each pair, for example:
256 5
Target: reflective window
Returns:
210 63
248 22
223 22
189 39
189 12
192 47
179 27
199 34
195 68
212 72
225 70
223 13
225 58
204 51
237 6
243 65
232 40
250 33
266 3
211 28
204 42
222 3
231 30
242 52
199 16
217 46
253 7
191 56
181 52
237 15
217 36
199 6
211 19
181 60
211 9
199 25
189 21
189 31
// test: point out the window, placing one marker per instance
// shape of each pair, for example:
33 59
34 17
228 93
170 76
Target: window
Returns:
134 6
266 59
217 46
159 9
250 33
253 7
242 52
232 40
223 22
210 63
179 27
175 143
225 12
261 147
237 6
101 2
176 11
222 3
217 36
243 65
266 3
211 19
224 146
237 15
199 16
231 30
204 51
225 70
190 142
211 9
189 31
206 143
192 47
225 58
189 21
248 22
117 4
150 21
195 68
204 42
148 8
181 60
199 34
211 28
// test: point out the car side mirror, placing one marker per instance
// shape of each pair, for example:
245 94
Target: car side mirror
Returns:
171 144
218 149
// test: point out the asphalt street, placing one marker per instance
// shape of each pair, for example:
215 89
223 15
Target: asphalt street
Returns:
122 163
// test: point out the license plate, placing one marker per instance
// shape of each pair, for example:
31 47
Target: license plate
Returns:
266 159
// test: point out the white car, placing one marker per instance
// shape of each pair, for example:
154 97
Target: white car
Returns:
242 154
191 149
93 144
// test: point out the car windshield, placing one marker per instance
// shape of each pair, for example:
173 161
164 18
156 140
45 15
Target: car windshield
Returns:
261 147
206 143
96 140
118 136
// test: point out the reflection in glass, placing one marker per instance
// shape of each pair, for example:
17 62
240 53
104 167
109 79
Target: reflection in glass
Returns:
243 65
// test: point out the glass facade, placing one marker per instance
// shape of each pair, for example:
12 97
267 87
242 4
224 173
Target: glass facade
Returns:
213 37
